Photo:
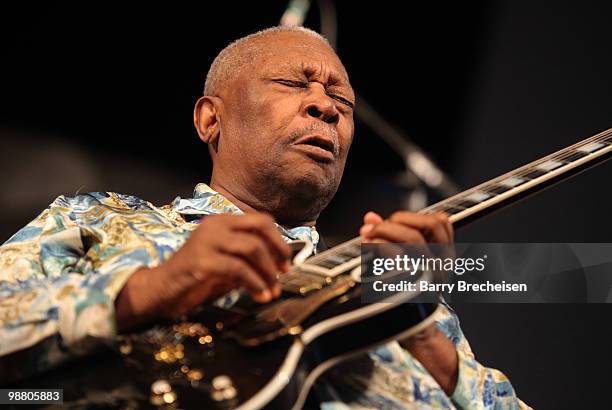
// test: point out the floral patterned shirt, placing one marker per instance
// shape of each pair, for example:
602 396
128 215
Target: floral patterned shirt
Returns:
60 275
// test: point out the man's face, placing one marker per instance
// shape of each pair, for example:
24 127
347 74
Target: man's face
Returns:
287 119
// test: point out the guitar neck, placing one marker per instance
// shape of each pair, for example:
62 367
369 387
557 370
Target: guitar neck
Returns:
529 179
476 202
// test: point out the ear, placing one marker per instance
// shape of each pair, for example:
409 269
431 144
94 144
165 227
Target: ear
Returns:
206 119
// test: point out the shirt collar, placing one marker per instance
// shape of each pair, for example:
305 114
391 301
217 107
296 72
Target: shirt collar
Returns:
207 201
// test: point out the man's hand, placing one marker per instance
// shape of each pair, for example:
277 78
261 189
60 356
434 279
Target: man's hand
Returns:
437 354
407 227
430 347
223 253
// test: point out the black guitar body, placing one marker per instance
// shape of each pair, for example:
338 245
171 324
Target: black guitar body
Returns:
274 375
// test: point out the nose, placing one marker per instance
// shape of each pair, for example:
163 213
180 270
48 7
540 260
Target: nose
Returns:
319 105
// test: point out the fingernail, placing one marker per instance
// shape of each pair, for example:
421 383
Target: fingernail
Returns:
263 296
366 229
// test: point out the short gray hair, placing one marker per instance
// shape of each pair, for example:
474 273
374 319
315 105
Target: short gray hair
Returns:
238 53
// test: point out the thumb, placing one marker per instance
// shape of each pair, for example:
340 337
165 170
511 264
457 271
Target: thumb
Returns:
372 218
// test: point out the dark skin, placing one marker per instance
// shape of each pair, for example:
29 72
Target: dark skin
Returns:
304 87
279 133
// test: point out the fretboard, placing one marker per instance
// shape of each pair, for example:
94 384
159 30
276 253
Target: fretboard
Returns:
526 180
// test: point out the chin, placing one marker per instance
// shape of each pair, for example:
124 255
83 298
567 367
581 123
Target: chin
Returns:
313 177
313 185
310 185
304 193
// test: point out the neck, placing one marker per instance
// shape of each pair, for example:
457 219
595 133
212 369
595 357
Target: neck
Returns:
246 201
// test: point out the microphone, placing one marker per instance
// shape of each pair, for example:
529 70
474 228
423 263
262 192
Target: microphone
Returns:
296 13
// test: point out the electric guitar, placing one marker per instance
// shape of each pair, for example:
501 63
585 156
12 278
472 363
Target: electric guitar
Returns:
254 356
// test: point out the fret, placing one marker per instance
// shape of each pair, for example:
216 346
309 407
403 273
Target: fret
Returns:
512 182
463 203
339 257
327 263
498 189
449 209
592 147
336 257
478 196
352 251
536 173
505 185
574 156
549 165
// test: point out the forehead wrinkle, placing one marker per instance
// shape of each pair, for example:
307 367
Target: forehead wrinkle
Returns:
324 71
285 67
310 69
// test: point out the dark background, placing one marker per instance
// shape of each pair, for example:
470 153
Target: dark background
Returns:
100 98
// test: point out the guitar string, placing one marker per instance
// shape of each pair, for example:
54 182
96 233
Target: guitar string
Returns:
558 155
567 152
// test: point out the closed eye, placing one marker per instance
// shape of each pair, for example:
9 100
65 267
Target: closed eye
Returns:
302 84
291 83
342 100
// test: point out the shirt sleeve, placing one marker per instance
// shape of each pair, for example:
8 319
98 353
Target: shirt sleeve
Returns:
478 387
59 277
390 377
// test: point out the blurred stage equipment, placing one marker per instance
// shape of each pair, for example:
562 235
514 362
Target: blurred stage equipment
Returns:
421 172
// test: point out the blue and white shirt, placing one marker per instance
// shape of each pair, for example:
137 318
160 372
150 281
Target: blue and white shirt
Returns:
60 275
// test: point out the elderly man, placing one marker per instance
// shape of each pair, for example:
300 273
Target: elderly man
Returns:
277 115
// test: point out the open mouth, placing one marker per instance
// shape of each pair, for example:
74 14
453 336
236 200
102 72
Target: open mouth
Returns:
321 142
319 147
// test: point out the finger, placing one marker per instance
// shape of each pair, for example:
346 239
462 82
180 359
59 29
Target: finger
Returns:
372 218
443 217
373 240
429 226
263 225
396 232
365 230
446 250
246 276
388 231
369 220
215 286
254 250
